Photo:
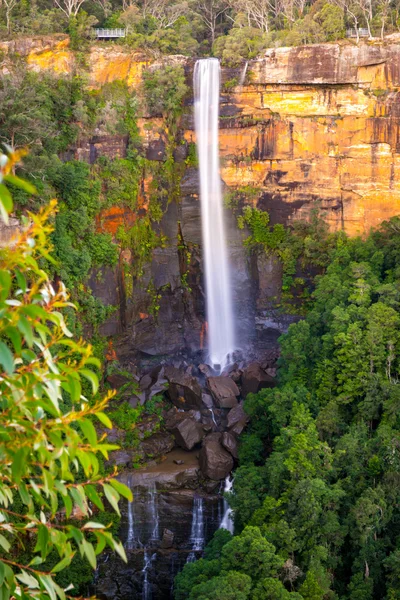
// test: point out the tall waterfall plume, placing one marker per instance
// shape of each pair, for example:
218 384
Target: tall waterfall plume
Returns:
221 338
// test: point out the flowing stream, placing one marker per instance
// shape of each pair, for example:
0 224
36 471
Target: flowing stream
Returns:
221 338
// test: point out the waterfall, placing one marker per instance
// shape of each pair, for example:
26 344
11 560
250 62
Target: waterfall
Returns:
227 521
221 342
148 559
243 74
197 532
153 513
130 541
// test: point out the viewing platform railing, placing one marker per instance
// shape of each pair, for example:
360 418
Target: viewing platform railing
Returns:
110 33
352 33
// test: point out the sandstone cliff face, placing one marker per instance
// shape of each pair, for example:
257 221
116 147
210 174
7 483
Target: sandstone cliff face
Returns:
314 125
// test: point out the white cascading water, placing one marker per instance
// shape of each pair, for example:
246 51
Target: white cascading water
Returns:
153 512
227 521
221 338
213 417
243 75
197 540
148 560
130 541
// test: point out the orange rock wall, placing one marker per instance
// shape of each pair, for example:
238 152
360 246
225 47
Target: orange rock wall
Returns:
313 125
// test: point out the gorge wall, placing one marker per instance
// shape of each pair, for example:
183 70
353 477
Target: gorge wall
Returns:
311 126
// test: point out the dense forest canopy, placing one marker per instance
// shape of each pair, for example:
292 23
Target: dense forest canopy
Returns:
316 495
233 30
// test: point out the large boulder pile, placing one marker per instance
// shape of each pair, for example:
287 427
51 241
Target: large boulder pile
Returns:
206 415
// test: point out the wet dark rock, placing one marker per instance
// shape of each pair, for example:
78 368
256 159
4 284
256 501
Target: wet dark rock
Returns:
196 414
237 419
224 391
206 370
146 382
117 380
167 539
167 475
254 379
183 390
207 400
215 462
137 399
158 444
188 433
230 443
271 371
211 486
179 462
120 458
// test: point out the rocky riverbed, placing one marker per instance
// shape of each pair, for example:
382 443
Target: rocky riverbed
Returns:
178 492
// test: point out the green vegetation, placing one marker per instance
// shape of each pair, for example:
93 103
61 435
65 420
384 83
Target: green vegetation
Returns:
316 493
303 249
50 455
49 115
234 30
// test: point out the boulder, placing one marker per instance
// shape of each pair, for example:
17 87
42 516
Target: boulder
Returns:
206 370
116 380
237 419
183 389
230 443
158 444
224 391
137 399
254 379
187 433
167 539
215 462
207 400
173 417
120 458
146 382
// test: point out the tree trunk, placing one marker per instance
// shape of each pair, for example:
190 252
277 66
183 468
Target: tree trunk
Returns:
8 17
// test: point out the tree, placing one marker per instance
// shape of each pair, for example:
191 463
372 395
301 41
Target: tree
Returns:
351 10
210 11
49 445
232 586
165 12
105 5
10 5
257 12
25 119
69 7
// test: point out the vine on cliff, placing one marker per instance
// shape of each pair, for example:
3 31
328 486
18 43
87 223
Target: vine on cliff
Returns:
302 247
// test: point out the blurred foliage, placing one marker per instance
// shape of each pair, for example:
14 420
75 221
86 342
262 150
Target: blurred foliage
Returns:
50 456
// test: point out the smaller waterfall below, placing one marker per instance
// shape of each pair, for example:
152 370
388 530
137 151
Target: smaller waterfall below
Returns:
227 521
153 513
130 540
143 529
197 533
148 560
